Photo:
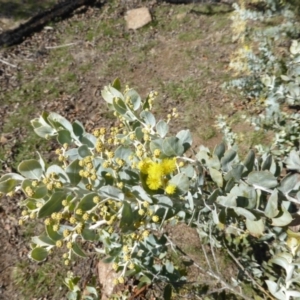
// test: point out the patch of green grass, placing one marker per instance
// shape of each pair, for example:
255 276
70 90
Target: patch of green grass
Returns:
57 75
146 47
257 137
204 285
61 61
29 230
108 28
107 46
43 86
68 77
173 25
48 84
77 26
189 36
30 143
116 62
191 53
30 68
208 133
173 22
186 90
221 22
45 280
85 67
19 9
26 148
211 9
142 51
90 35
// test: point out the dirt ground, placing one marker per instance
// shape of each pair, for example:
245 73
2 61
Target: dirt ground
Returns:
183 54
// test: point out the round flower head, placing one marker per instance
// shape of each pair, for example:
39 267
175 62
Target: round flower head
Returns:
157 152
168 165
154 182
144 165
155 170
170 189
155 219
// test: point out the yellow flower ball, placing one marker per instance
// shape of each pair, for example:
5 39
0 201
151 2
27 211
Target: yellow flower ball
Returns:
126 257
170 189
93 177
154 183
79 211
35 183
168 165
58 244
146 204
115 266
86 216
64 202
155 219
55 227
144 164
110 154
96 199
47 221
72 220
141 212
181 164
155 170
145 233
157 152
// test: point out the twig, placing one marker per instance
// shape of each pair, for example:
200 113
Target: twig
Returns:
248 274
7 63
206 258
138 292
215 291
213 252
61 46
9 266
211 273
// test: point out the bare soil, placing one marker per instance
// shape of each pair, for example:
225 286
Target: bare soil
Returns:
183 54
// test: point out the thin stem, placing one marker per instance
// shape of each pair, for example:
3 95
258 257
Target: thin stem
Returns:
192 217
7 63
248 274
213 252
211 273
61 46
206 258
186 158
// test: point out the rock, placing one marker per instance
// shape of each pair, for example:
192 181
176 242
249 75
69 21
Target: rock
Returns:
106 276
181 16
137 18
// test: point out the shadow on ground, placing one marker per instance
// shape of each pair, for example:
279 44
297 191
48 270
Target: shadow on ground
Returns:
23 9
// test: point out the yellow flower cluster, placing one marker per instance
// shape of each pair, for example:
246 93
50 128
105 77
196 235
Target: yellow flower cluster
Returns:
156 171
29 191
51 181
170 189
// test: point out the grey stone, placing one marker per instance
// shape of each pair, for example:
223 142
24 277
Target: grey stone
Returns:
137 18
